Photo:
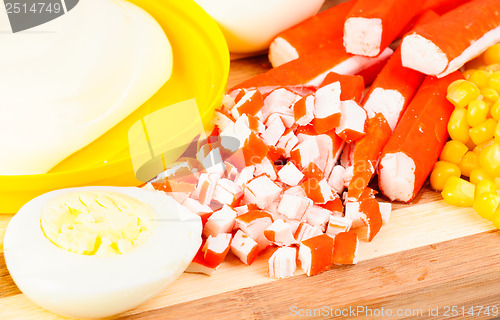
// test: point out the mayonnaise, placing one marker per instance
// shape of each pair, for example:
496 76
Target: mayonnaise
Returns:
66 82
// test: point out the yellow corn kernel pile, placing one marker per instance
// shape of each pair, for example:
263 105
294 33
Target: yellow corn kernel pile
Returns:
468 170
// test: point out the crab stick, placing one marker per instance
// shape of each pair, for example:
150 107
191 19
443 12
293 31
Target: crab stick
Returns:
337 225
371 25
221 221
244 247
280 233
309 35
312 69
261 191
317 216
290 174
306 231
193 205
411 152
353 86
345 248
315 254
442 46
352 121
283 263
216 248
293 207
199 265
254 223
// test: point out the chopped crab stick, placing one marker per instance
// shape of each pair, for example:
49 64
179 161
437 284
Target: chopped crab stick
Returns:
303 110
293 207
371 26
305 231
227 192
216 248
315 254
254 223
297 41
261 191
371 209
353 86
250 104
352 121
199 265
312 69
317 216
244 247
366 153
283 263
327 108
337 225
221 221
345 248
444 45
290 174
280 233
200 209
410 154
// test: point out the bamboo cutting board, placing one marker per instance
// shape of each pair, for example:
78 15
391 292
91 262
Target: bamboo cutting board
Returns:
429 258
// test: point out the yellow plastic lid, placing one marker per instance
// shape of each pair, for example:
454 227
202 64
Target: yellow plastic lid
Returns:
200 71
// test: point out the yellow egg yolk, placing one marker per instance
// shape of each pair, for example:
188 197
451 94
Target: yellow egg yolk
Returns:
96 222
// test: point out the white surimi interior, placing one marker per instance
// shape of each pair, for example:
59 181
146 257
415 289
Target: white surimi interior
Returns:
386 101
281 52
362 36
423 55
397 176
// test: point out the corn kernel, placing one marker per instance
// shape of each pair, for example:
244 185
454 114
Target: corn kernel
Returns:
469 162
477 175
497 133
490 94
486 205
489 160
492 67
457 125
453 151
477 111
484 145
492 54
462 92
495 111
483 132
458 192
494 80
467 73
486 185
441 172
480 78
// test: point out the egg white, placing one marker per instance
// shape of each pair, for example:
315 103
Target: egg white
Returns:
87 286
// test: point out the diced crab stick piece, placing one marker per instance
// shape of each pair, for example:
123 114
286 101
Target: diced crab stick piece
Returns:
283 263
337 225
327 108
317 216
306 152
216 248
295 191
221 120
345 249
337 178
254 150
227 192
244 247
221 221
261 191
293 207
275 129
255 124
280 233
195 206
305 231
285 113
238 133
246 174
205 188
303 110
316 254
395 86
249 104
199 265
231 171
312 171
385 211
290 174
287 142
253 223
371 26
371 208
318 190
331 145
297 41
435 49
366 154
277 98
404 166
354 213
266 167
169 186
353 86
228 102
336 207
352 121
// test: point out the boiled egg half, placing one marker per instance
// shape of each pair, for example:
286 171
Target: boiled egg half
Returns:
94 252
